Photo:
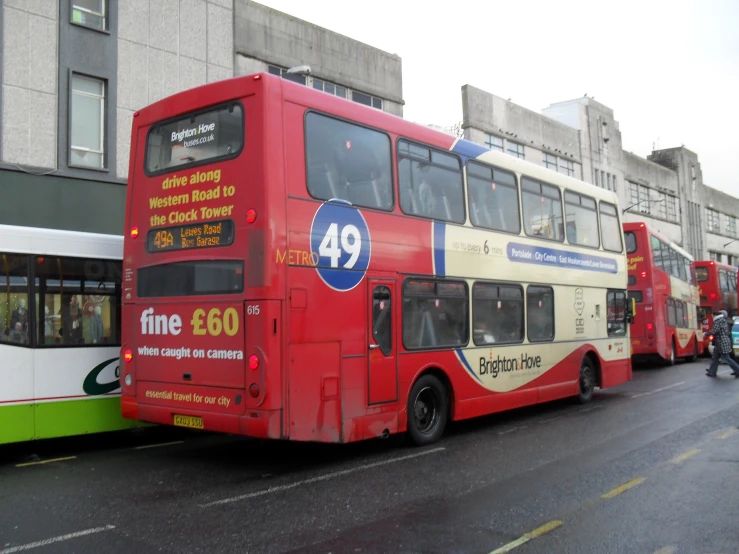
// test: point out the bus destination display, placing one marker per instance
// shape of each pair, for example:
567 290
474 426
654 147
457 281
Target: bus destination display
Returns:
187 237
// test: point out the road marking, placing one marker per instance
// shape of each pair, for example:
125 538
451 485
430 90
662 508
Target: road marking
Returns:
623 488
53 540
666 550
727 434
685 456
157 445
325 477
551 419
657 390
538 532
512 429
590 409
46 461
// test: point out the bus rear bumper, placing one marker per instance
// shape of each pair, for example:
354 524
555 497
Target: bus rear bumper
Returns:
263 424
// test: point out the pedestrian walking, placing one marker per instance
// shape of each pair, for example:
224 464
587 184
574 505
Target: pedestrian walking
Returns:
721 345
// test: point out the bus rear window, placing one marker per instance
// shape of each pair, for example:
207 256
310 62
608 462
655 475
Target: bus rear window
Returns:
637 296
630 238
191 279
211 135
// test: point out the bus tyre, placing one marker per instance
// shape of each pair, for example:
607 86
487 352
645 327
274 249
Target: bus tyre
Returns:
671 360
694 357
587 381
427 410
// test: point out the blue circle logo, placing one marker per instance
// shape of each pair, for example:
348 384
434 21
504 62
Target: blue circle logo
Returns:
340 239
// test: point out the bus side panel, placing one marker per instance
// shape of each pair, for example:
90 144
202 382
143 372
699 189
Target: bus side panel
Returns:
314 392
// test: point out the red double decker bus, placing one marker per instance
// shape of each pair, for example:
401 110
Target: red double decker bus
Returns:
662 282
718 284
299 266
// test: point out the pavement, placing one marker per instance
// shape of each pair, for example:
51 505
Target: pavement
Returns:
650 466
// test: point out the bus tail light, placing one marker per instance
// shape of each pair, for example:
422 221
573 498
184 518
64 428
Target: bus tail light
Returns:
127 356
713 296
643 274
134 232
251 216
254 390
650 327
253 362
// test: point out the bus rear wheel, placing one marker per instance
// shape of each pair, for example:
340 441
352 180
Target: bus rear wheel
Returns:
427 410
694 357
671 360
587 381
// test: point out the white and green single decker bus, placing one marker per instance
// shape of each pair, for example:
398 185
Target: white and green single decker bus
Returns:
60 313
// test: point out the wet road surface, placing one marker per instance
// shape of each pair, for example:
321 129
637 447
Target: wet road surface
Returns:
651 466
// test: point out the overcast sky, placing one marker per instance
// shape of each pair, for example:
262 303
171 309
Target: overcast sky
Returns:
668 69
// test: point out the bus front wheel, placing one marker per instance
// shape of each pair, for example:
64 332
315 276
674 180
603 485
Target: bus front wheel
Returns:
587 381
427 410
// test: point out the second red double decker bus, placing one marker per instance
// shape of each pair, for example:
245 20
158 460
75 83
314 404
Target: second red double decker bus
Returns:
662 282
718 283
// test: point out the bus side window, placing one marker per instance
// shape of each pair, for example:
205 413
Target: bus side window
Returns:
15 317
540 313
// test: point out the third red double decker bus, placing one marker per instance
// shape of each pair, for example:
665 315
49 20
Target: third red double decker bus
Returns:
717 283
299 266
662 282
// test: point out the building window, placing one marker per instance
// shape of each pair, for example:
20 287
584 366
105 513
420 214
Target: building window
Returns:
550 162
515 149
494 143
367 100
712 217
661 202
608 176
281 72
730 225
640 196
595 180
615 188
329 88
671 207
90 13
87 116
567 167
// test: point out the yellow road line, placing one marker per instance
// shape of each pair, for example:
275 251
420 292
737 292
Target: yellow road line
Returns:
666 550
157 445
685 456
624 487
45 461
538 532
727 434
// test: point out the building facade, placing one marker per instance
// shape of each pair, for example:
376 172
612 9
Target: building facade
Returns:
582 138
74 71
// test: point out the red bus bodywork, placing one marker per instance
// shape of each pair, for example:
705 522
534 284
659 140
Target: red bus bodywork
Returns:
718 284
652 286
287 357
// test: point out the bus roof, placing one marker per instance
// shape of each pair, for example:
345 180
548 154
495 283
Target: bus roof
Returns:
636 225
229 89
53 242
706 263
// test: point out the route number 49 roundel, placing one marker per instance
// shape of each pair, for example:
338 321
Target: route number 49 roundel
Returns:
340 237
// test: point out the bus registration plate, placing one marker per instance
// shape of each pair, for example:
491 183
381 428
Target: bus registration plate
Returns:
189 421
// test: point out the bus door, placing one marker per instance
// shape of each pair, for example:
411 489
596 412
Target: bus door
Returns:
382 342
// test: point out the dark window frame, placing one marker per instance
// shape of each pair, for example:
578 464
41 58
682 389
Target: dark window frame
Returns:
580 205
612 295
610 206
389 314
626 241
105 15
554 314
523 328
542 185
435 280
33 290
178 294
197 163
392 168
516 189
398 157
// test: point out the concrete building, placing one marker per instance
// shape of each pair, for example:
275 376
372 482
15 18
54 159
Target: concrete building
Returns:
74 71
581 137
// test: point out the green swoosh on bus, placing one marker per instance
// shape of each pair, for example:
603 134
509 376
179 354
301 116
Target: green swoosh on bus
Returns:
92 387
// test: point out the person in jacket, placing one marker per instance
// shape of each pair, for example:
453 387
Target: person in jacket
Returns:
722 345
